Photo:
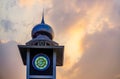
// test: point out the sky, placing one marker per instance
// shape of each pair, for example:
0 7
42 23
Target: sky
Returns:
89 30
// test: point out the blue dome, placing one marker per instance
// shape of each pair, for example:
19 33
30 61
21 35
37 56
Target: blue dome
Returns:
42 29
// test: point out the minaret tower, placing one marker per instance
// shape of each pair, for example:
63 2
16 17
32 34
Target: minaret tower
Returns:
41 55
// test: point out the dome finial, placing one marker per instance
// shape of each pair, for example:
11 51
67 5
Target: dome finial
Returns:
42 21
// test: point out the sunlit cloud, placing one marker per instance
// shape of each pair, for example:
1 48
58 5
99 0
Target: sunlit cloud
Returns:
31 3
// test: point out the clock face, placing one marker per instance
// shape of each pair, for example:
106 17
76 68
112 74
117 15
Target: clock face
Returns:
41 62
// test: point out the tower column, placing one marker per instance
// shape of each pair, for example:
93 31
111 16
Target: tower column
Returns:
54 65
28 64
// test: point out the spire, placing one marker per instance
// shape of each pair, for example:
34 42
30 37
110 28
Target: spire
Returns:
42 21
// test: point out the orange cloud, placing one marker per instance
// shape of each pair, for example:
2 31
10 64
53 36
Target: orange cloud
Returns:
26 2
31 3
91 23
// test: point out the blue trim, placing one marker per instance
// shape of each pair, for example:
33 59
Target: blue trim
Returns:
33 62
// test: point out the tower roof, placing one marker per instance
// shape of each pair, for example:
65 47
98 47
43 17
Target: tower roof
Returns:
42 29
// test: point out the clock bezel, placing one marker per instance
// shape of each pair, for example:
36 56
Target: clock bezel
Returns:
34 59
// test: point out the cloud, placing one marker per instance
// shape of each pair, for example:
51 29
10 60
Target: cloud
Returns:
117 77
7 25
114 14
101 56
100 59
31 3
9 58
